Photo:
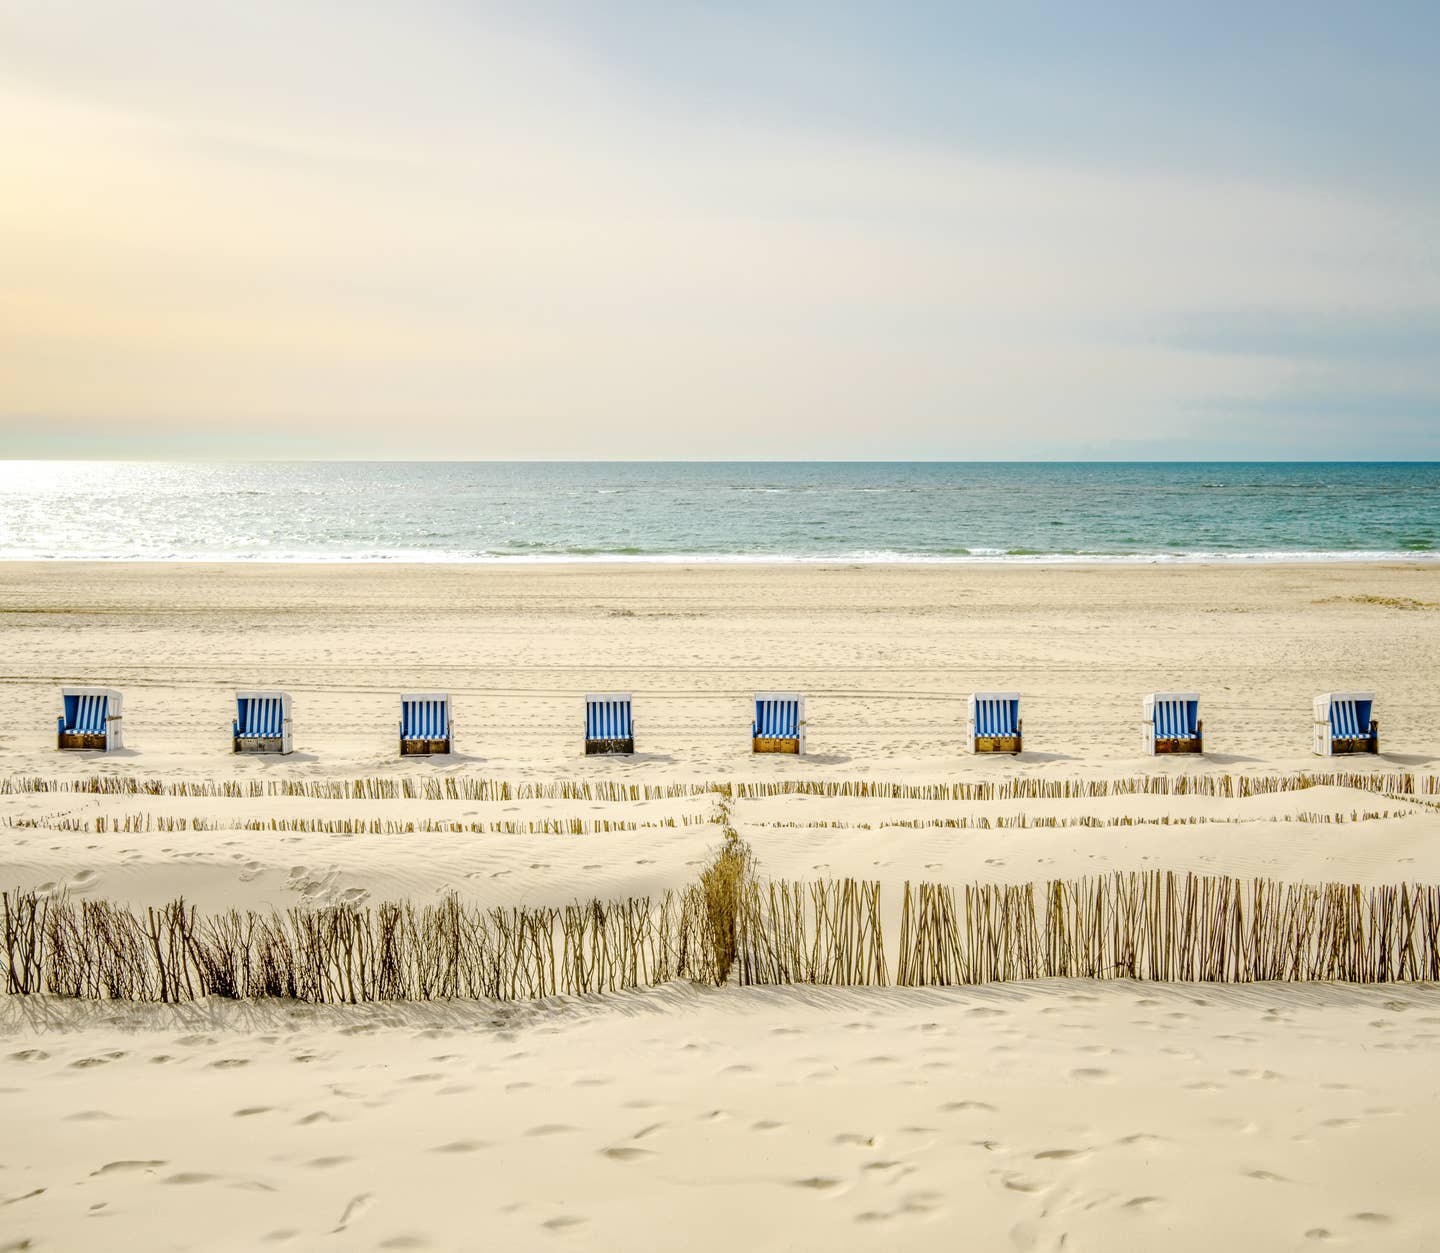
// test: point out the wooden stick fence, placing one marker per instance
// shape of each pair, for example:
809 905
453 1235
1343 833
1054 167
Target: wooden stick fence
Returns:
1150 925
1167 926
464 787
98 950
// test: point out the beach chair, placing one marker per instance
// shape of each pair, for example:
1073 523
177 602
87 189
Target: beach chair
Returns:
262 723
425 725
1172 723
1345 723
995 722
779 725
609 723
91 719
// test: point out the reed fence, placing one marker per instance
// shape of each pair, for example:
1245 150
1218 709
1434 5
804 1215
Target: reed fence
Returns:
465 787
731 927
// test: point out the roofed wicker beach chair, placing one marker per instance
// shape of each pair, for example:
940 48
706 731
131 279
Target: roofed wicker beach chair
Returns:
91 719
779 725
262 723
609 723
1345 723
1172 723
995 722
425 725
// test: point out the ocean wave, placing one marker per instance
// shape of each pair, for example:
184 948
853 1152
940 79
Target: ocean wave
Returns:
635 556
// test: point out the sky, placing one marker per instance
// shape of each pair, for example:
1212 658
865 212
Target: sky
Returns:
731 230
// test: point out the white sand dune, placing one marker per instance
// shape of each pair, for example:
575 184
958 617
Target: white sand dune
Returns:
1044 1116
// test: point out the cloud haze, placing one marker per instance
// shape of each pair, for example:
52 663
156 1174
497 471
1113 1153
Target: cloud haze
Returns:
685 230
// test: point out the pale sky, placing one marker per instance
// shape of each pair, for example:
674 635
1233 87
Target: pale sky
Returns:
727 230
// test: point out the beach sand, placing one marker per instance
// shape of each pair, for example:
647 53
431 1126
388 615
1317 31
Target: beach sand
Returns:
1043 1116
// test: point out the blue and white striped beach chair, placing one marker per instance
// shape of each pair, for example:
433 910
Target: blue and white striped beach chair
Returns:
995 722
425 725
262 723
91 719
1172 723
779 725
1345 723
609 723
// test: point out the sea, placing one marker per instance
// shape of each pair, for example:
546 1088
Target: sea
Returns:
984 512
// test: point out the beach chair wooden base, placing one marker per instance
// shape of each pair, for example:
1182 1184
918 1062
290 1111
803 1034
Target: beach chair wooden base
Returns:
1195 745
997 744
83 741
258 744
767 744
605 748
1361 744
423 748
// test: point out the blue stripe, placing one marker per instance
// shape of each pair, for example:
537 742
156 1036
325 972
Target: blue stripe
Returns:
424 720
777 719
996 717
90 713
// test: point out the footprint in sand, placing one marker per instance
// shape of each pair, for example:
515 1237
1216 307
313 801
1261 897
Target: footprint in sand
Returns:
356 1206
190 1177
1019 1183
623 1153
1142 1202
853 1140
1371 1218
251 1110
958 1106
30 1055
551 1129
461 1146
1060 1155
816 1183
766 1124
126 1167
563 1223
1091 1074
327 1163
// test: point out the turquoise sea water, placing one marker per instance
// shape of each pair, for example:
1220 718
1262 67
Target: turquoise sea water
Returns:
548 511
